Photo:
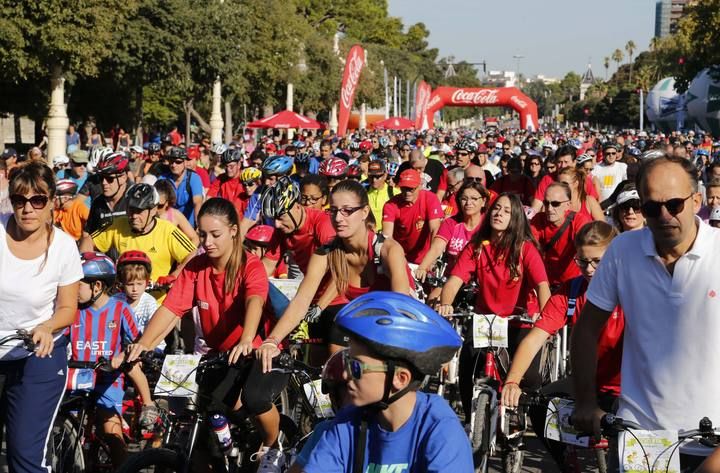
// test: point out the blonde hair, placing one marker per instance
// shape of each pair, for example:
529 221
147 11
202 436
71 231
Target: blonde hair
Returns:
596 233
579 176
132 272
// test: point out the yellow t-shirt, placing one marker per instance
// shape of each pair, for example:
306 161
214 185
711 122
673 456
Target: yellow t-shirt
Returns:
165 245
377 199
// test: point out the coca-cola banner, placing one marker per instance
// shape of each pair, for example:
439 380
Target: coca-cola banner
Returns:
500 97
351 77
422 99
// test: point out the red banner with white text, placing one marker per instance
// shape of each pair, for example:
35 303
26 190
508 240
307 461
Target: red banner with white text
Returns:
351 77
422 99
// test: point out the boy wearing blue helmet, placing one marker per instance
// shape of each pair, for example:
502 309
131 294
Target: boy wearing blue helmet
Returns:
395 341
273 168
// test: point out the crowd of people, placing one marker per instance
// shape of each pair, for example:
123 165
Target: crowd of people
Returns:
106 249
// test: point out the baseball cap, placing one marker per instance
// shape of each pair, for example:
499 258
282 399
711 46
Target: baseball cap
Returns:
715 215
376 168
8 153
79 156
626 196
409 178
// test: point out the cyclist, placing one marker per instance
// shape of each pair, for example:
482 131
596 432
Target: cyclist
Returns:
610 172
627 211
564 307
564 157
555 231
229 185
504 260
463 154
229 287
70 213
133 275
39 276
712 197
102 326
167 211
432 172
392 426
163 242
334 169
112 204
379 190
515 181
187 183
306 164
314 191
580 202
456 178
356 262
273 168
413 217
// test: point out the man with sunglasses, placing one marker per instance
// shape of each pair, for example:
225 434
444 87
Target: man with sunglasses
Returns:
413 217
229 185
610 172
488 166
555 229
188 185
564 157
112 203
431 171
78 168
665 278
379 191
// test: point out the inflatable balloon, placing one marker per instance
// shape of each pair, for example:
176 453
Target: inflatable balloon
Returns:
665 107
703 101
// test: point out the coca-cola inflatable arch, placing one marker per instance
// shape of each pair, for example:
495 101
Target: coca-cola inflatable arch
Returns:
485 97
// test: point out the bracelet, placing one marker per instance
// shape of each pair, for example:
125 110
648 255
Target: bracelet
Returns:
512 382
272 340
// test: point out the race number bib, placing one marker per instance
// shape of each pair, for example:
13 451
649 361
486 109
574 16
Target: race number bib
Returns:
557 423
321 402
657 444
490 330
288 287
178 376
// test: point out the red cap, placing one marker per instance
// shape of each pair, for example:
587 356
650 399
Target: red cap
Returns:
270 147
482 148
193 152
409 178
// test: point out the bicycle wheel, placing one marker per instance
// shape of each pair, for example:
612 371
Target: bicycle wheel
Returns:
64 450
512 461
154 460
480 439
549 361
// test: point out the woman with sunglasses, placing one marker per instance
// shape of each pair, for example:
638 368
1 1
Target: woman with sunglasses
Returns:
504 259
166 210
40 272
627 213
357 261
534 169
580 201
591 242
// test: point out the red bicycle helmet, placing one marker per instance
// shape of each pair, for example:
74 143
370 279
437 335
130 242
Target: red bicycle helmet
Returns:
114 163
334 167
66 187
135 257
354 171
366 146
260 235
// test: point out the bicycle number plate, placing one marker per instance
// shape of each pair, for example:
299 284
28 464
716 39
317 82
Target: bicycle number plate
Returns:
288 287
81 379
321 402
178 376
484 326
557 423
657 444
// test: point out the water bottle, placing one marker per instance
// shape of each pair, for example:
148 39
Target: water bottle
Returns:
222 430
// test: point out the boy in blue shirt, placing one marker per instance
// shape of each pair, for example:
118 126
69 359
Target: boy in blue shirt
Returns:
395 341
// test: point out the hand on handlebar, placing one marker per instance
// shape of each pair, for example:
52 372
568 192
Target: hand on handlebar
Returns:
511 393
42 337
265 354
420 273
588 419
445 309
240 350
135 351
166 280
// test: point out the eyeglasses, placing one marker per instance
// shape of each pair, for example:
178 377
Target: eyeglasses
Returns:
345 211
471 199
355 368
584 263
79 164
554 203
652 209
38 202
310 199
607 153
535 163
474 179
631 204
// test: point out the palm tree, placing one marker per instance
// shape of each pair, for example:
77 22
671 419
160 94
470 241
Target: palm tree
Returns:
617 57
606 64
630 48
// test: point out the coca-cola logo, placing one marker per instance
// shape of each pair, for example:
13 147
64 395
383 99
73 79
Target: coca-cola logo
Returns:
433 102
520 103
354 67
474 97
423 97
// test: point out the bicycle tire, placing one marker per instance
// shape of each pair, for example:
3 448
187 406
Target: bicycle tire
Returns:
154 460
512 461
548 361
480 439
63 439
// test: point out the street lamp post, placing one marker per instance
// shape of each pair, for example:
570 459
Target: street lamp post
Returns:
517 58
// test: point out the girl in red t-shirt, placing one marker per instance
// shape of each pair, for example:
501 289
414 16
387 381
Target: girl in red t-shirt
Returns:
229 287
504 260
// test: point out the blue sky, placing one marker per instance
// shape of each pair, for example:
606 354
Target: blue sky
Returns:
554 36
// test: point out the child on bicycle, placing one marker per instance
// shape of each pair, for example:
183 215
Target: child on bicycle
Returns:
102 325
395 342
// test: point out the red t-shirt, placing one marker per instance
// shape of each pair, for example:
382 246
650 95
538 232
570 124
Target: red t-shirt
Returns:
550 178
232 190
412 229
522 186
221 315
204 176
314 233
559 259
499 294
554 316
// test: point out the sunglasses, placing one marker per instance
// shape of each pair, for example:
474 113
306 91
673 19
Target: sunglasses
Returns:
249 183
38 202
653 209
355 368
177 162
474 179
631 204
373 177
109 179
554 203
607 153
463 153
79 164
584 263
345 212
406 190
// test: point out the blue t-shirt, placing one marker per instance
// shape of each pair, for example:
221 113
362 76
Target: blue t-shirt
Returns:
185 202
432 440
254 207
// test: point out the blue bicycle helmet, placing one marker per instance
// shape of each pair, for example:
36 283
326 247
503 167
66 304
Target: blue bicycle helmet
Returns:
575 143
302 158
97 267
633 151
277 166
397 327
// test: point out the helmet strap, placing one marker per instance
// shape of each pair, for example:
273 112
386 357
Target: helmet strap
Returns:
387 398
92 299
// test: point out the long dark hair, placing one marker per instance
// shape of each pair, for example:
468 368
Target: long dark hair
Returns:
219 207
459 216
337 259
512 240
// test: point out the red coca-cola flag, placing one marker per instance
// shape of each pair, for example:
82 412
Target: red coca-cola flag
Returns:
351 77
422 99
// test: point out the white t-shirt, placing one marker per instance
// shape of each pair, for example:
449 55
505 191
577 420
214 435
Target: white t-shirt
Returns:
671 347
144 310
609 177
27 293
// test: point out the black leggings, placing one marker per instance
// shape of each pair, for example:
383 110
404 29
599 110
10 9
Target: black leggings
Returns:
472 365
326 329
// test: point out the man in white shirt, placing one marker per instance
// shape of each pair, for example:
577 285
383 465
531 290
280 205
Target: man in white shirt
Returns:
610 172
664 278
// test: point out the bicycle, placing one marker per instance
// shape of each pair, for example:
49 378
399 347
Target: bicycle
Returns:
182 435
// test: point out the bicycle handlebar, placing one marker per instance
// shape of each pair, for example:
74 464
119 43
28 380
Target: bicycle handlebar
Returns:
523 318
21 335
